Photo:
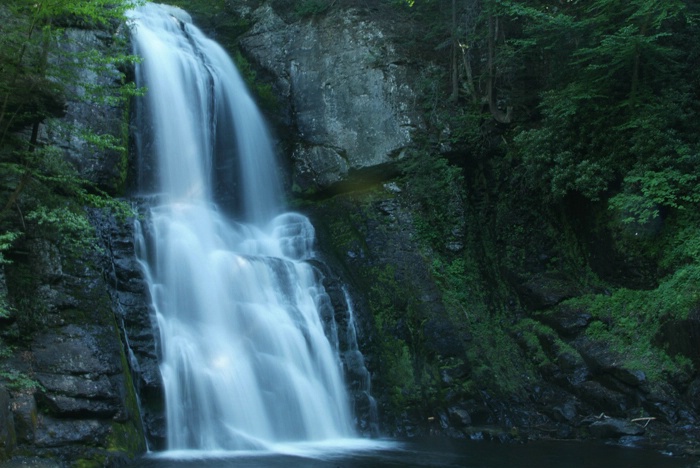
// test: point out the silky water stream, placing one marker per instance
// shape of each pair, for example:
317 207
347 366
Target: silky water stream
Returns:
250 375
245 359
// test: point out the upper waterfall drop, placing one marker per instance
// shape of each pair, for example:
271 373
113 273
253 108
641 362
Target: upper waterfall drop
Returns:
244 357
200 115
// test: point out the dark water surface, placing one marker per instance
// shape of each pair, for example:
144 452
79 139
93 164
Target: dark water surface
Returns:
432 453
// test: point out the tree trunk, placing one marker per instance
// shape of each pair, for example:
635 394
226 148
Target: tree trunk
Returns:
455 44
499 115
466 60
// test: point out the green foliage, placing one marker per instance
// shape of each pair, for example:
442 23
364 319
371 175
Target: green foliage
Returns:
446 218
638 353
5 308
438 187
528 331
42 195
18 381
680 245
461 284
648 192
308 8
95 13
499 364
70 226
395 357
542 344
397 366
603 143
5 350
408 3
37 71
263 91
629 320
6 241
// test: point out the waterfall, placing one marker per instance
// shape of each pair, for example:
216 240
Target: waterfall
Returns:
244 358
361 380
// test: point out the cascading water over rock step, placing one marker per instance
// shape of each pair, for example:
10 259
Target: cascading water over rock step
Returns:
244 357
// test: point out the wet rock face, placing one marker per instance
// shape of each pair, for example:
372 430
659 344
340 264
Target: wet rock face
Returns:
338 318
349 92
75 373
376 232
131 305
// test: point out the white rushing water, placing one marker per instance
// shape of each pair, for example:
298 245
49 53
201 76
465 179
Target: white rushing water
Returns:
245 361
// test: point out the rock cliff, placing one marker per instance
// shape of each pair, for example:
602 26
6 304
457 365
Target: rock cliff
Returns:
348 94
68 393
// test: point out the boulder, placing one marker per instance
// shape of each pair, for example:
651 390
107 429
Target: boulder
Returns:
603 361
608 428
459 417
543 290
631 377
566 320
72 395
65 406
75 350
319 166
601 397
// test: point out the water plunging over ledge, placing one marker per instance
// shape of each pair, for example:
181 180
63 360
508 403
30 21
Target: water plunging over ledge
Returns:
244 358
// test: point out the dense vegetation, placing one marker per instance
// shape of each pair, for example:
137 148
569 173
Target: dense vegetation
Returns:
599 98
568 130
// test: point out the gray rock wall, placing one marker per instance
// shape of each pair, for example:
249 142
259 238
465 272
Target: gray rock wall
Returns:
131 304
350 94
105 167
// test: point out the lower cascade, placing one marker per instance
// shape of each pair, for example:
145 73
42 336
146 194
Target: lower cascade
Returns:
246 360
